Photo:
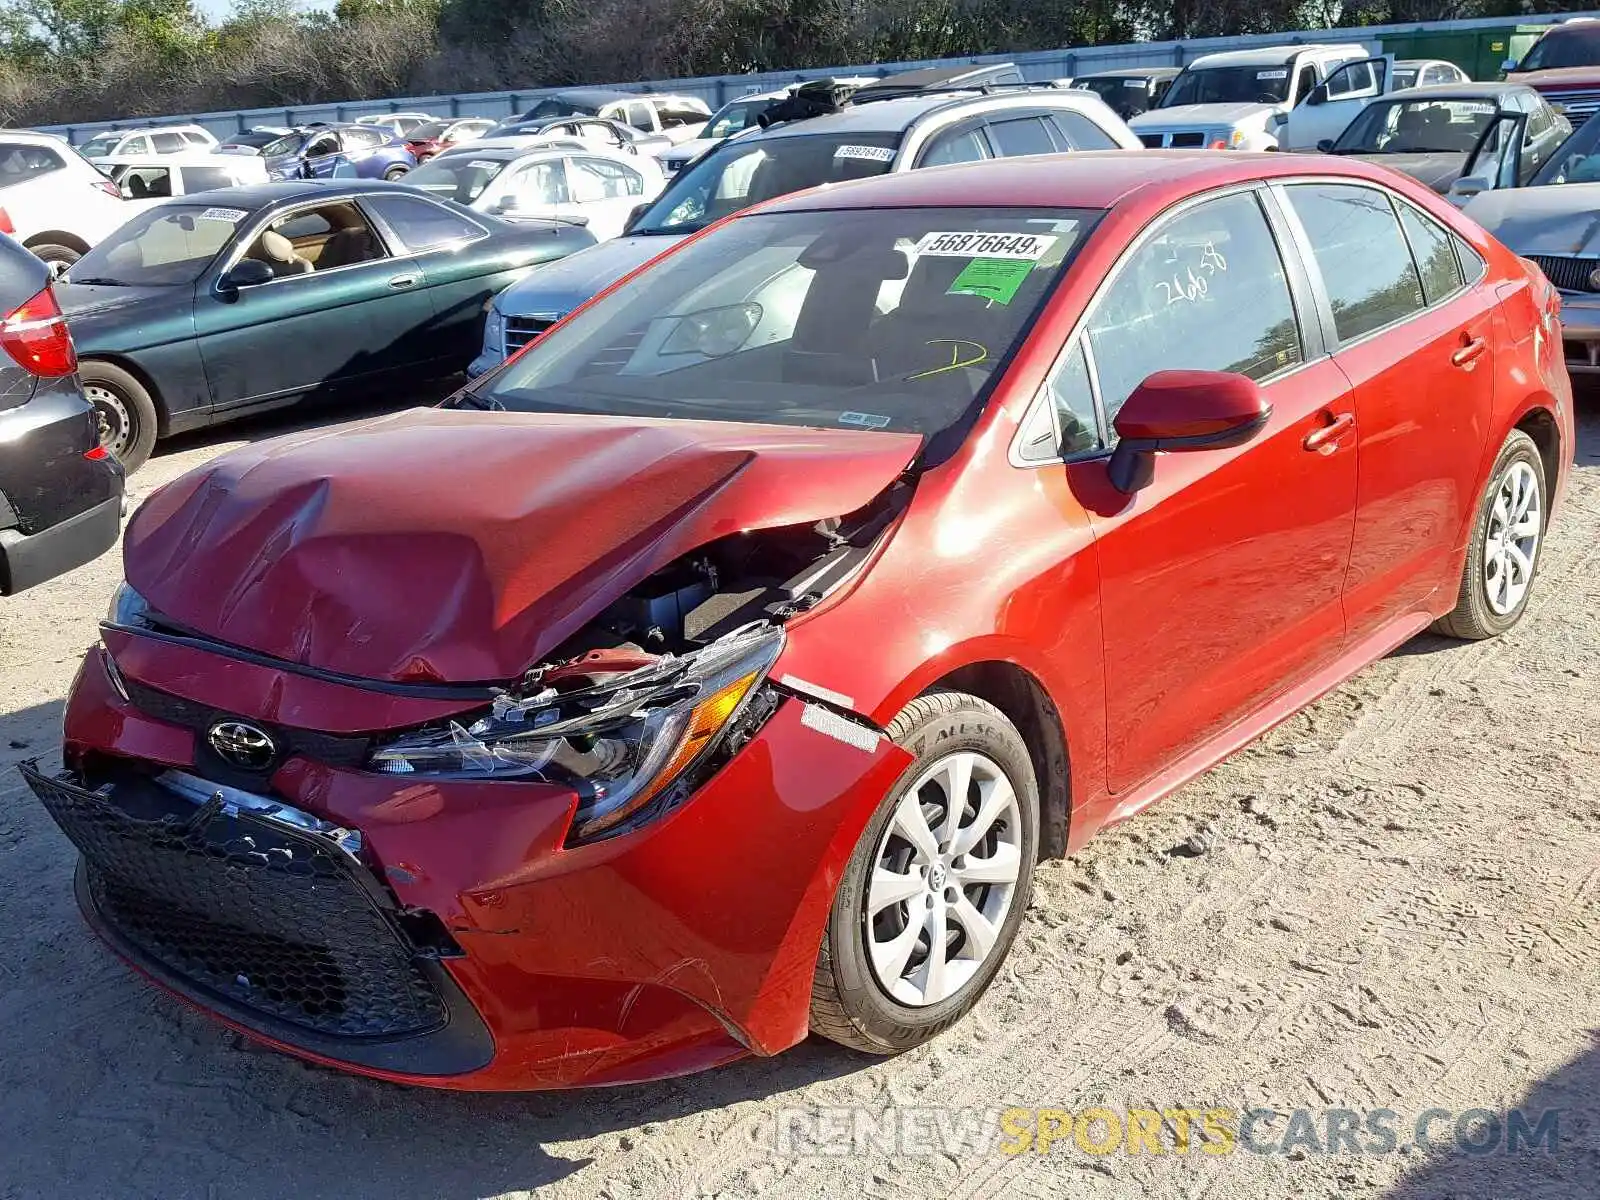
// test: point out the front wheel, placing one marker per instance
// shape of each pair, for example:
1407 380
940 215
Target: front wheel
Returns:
125 410
936 888
1507 537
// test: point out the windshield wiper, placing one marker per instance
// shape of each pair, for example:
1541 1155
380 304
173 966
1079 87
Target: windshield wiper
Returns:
467 398
101 281
660 232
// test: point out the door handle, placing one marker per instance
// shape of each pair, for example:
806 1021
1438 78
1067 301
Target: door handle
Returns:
403 281
1326 440
1469 352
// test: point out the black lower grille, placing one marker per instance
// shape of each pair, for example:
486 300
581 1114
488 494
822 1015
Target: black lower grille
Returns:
1568 274
272 919
1152 141
1188 140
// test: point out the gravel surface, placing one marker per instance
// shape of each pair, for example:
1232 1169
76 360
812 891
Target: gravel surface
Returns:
1392 902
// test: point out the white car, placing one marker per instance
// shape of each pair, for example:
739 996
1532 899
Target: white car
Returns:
1241 99
165 139
677 118
565 181
57 204
146 180
399 124
735 117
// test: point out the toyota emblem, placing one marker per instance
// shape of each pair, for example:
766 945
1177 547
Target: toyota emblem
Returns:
242 745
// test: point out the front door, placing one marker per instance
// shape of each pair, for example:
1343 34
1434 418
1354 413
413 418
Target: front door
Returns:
341 306
1416 342
1220 582
1329 108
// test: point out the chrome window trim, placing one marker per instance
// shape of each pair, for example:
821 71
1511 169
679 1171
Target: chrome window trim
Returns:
1163 219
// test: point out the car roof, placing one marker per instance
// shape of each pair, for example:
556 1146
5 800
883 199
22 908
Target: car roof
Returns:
251 196
595 96
902 112
1274 55
1129 72
1097 179
1459 91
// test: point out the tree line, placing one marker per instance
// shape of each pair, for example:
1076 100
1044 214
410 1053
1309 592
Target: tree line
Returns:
85 60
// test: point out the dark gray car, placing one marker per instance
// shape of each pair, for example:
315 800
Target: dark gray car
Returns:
60 494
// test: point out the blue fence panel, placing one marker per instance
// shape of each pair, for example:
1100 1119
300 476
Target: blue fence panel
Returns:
1037 66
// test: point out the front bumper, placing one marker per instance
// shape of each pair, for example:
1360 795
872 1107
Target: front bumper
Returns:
686 944
1580 332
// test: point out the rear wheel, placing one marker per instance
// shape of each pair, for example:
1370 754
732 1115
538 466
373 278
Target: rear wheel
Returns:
55 256
1507 538
936 888
125 410
394 173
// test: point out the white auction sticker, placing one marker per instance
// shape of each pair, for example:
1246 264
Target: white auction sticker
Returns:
1138 83
1280 73
483 164
234 215
870 153
1029 247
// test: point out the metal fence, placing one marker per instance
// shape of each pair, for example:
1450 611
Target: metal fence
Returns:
1037 66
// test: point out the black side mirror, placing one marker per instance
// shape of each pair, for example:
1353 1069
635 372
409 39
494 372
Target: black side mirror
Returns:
247 272
1325 146
1317 95
633 217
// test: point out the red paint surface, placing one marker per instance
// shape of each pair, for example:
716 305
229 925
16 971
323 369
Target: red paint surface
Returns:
1165 628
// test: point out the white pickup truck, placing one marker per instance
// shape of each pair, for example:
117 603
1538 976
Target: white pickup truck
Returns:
1275 98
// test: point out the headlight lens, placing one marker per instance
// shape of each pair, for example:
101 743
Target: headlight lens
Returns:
1236 139
618 744
128 607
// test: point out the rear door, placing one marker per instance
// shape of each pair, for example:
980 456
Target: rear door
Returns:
1221 582
604 193
1415 340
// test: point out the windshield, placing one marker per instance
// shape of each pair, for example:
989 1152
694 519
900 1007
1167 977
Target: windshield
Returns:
161 247
1229 85
1417 127
552 106
1404 77
890 319
458 177
1123 95
744 172
1564 48
735 117
99 147
1576 160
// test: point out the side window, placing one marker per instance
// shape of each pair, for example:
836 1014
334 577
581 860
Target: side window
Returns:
1433 254
1081 133
317 239
966 145
138 145
539 184
639 116
203 179
597 179
1350 78
1206 291
168 143
1472 264
1361 254
1021 135
1304 82
1072 400
144 183
362 139
422 224
20 161
194 139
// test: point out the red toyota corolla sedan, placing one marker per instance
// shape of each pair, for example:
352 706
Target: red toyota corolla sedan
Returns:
718 670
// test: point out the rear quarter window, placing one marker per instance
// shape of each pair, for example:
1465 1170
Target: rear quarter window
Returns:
1361 254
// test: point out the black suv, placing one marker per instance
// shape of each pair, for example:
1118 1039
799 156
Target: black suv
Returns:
60 493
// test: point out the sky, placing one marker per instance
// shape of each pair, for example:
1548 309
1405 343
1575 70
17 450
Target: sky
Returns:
217 9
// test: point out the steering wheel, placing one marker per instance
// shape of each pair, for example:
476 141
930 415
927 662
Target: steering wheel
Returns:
1266 98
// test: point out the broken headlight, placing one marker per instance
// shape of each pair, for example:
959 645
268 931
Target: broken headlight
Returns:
619 743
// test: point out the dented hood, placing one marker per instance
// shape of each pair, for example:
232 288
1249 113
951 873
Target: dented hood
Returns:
462 546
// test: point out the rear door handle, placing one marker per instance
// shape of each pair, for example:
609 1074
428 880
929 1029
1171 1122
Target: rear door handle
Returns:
1326 440
1469 352
403 281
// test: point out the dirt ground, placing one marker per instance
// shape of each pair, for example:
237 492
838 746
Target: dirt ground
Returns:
1393 904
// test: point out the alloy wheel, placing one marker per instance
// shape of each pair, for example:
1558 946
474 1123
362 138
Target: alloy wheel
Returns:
113 418
944 877
1511 538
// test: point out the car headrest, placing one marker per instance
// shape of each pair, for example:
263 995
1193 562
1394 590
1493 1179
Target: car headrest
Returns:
277 247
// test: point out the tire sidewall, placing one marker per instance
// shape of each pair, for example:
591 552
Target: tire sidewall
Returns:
885 1021
1518 448
58 257
138 402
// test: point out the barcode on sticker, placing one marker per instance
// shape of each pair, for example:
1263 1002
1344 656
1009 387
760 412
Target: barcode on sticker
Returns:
224 214
483 164
1138 83
1280 73
870 153
1030 247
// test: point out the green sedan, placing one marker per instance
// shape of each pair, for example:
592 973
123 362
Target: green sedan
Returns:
202 309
